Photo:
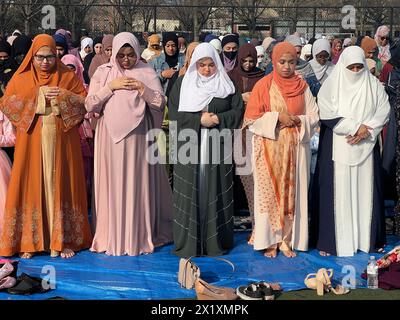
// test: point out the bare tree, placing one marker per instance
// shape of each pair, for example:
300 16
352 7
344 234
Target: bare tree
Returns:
6 15
192 14
126 9
249 12
28 10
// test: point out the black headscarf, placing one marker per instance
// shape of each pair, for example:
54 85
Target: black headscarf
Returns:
7 67
395 52
171 60
20 47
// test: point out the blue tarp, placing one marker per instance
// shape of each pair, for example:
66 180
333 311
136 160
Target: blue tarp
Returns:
97 276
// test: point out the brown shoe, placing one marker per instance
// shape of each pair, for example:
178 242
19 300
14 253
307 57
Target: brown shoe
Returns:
206 291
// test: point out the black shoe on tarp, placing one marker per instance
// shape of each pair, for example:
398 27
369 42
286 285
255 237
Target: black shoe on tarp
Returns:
27 285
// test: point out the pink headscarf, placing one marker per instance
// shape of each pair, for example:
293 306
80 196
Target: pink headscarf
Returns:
71 59
125 110
384 52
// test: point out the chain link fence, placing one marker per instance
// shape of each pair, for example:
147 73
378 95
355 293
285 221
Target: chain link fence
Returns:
95 19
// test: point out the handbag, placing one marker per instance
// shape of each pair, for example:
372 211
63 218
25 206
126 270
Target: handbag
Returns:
188 273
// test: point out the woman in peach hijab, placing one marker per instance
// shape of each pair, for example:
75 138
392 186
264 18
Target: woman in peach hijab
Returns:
281 113
46 207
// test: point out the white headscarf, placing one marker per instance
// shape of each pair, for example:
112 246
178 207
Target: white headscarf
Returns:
216 43
307 50
359 98
197 91
320 70
384 52
260 51
84 43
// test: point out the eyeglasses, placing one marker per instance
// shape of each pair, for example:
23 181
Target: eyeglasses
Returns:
384 38
41 58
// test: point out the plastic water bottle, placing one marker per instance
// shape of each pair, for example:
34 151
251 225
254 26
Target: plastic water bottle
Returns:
372 273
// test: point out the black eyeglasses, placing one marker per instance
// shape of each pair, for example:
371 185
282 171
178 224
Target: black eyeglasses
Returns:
41 58
384 38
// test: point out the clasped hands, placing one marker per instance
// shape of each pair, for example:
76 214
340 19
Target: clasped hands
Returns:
126 83
362 133
51 92
287 120
209 120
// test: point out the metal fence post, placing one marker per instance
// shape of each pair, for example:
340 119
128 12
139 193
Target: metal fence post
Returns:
233 19
391 21
314 21
155 18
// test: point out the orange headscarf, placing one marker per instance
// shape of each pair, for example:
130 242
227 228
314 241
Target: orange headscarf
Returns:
23 88
189 53
368 44
292 89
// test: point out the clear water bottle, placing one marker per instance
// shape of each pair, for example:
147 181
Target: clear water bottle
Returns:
372 273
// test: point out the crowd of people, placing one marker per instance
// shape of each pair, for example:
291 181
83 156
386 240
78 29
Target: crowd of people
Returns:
318 121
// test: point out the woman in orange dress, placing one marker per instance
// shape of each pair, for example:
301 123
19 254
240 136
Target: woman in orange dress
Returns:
281 114
46 207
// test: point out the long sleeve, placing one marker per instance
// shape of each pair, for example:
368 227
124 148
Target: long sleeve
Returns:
154 98
157 64
231 119
7 137
313 83
184 120
97 95
266 126
310 119
381 116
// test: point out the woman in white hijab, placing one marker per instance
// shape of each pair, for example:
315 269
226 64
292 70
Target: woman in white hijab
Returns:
306 52
206 103
321 65
86 47
261 58
348 210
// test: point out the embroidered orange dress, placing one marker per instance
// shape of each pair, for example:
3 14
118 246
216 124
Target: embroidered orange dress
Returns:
46 206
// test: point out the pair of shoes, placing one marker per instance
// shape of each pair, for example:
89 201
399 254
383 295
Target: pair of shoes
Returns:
27 285
258 291
321 281
206 291
7 283
6 270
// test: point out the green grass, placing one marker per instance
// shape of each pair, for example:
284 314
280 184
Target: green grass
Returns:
357 294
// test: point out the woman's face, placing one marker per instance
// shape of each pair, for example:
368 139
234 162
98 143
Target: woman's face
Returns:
338 46
322 58
126 57
44 59
231 47
4 56
97 48
383 40
108 51
170 48
248 64
60 51
355 67
370 54
88 49
286 65
206 67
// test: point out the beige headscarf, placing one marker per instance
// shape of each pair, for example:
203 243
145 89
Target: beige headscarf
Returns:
188 57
